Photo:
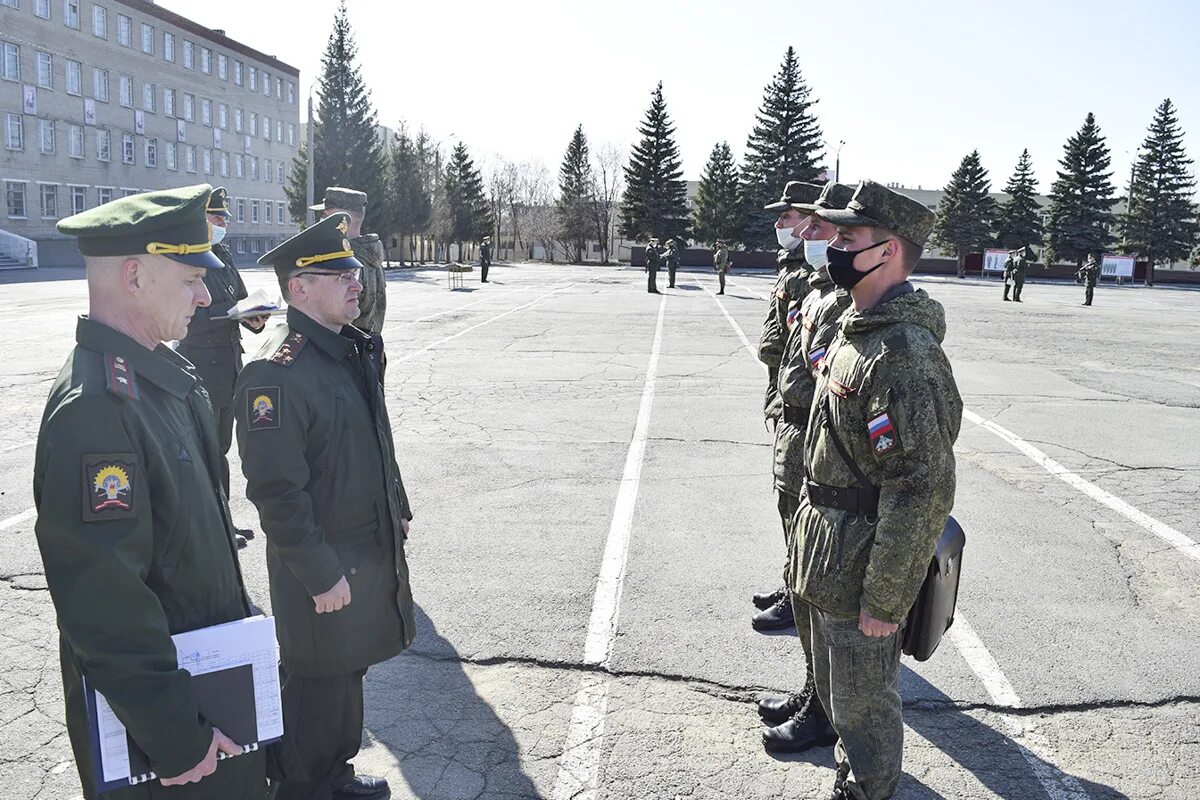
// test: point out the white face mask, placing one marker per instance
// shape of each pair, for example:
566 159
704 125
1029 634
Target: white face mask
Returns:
787 239
814 253
218 233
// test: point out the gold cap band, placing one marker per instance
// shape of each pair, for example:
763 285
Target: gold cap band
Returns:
310 260
160 249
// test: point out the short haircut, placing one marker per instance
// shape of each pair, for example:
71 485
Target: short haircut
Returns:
910 252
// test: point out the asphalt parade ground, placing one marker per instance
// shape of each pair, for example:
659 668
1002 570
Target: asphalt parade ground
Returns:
591 479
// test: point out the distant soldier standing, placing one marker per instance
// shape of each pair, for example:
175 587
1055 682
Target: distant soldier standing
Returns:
368 249
652 262
1008 274
672 259
721 263
485 258
879 456
1090 273
1020 265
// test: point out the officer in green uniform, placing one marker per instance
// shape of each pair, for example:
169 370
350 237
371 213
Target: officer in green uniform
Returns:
1089 273
672 259
1020 266
320 466
721 263
368 249
214 345
133 522
879 456
775 606
485 258
799 720
653 259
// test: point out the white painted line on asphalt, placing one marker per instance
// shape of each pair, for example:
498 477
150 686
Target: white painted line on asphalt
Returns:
746 288
736 328
29 513
414 353
18 446
579 766
1184 544
1058 785
458 308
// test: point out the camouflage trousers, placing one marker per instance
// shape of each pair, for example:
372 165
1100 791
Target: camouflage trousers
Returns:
788 505
858 679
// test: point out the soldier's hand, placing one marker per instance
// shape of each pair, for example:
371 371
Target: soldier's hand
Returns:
335 599
874 627
209 765
405 525
256 324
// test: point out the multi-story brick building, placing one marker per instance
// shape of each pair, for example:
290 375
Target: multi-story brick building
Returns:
105 98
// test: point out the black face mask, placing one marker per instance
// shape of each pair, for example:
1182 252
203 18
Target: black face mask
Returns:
841 265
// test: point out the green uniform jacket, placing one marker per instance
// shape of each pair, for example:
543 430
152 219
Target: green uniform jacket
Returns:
485 254
653 258
1020 265
672 258
214 346
372 303
793 280
137 542
1090 273
721 260
320 466
893 401
814 324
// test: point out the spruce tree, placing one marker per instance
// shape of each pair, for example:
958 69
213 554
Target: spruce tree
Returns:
346 144
413 205
655 201
575 210
468 215
1082 197
785 145
1019 222
1160 225
296 187
966 212
718 213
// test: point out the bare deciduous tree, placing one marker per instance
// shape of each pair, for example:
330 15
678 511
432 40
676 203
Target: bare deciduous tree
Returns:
608 185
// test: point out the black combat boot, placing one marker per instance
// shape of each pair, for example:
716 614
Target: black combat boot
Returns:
363 787
778 617
776 709
808 728
764 600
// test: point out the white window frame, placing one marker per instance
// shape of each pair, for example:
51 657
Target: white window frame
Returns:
123 99
102 192
148 35
241 211
168 46
73 191
47 145
239 120
44 63
205 60
255 212
222 66
172 156
150 152
266 84
10 56
42 194
223 116
38 6
9 188
189 107
190 156
169 103
128 152
239 73
150 97
189 54
206 161
73 78
71 13
99 21
76 147
103 145
100 84
11 142
224 164
206 115
252 84
124 30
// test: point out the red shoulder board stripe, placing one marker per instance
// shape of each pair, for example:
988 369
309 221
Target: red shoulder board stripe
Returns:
120 377
289 349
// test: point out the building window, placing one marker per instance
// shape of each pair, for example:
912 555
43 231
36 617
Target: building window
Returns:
188 55
279 176
241 211
78 199
14 131
291 134
129 192
291 91
279 88
100 84
124 31
49 194
255 246
74 78
279 131
223 66
126 91
208 161
279 212
46 136
191 158
149 97
75 140
147 39
103 145
254 170
14 198
266 129
11 69
253 124
241 245
71 13
41 8
206 112
254 205
223 117
266 85
169 47
253 79
152 152
189 107
172 155
238 69
103 195
268 211
100 22
10 3
45 70
269 170
238 120
224 165
127 148
169 102
206 61
239 166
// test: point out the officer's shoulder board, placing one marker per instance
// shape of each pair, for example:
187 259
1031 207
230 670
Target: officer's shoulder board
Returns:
288 349
119 377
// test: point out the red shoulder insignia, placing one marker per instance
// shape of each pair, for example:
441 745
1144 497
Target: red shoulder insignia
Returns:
119 377
289 349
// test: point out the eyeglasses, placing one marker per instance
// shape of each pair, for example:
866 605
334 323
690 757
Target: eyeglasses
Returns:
344 276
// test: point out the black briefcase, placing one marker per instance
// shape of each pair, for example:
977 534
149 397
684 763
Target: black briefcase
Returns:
933 613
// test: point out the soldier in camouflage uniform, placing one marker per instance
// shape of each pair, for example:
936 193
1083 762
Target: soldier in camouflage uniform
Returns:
880 481
775 606
721 263
367 248
1089 273
799 720
672 259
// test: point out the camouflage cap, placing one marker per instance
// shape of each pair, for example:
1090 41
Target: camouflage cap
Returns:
324 246
795 195
169 223
343 200
875 205
218 203
833 196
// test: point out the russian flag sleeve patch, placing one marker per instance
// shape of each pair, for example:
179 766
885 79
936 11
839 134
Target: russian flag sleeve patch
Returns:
884 438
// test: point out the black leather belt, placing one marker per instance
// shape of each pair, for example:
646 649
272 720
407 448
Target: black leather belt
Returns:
854 500
794 415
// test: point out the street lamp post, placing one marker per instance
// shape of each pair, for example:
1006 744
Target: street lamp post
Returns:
837 164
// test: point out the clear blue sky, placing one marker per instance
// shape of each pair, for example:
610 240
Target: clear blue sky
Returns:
910 86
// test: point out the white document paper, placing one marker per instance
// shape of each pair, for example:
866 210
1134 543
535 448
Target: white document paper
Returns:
232 644
258 304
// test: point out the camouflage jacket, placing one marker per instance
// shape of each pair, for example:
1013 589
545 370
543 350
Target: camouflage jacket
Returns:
892 399
372 303
791 284
813 321
721 260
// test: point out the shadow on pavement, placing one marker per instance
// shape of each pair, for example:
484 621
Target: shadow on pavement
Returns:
448 742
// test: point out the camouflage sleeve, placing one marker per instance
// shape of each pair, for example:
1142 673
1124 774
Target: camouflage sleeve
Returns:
372 303
97 561
273 452
771 340
915 402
